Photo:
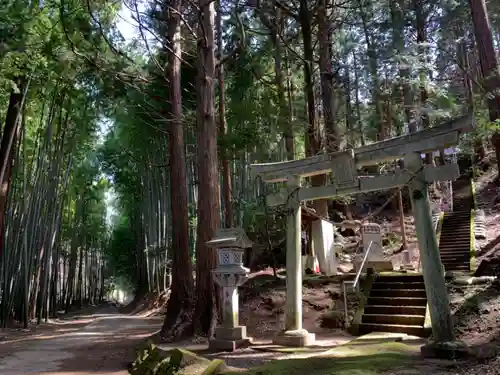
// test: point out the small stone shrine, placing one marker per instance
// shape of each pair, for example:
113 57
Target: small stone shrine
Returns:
229 275
372 233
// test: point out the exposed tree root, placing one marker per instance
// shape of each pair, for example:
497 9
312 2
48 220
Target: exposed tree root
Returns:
178 323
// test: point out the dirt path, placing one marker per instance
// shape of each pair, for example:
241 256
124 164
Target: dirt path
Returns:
103 342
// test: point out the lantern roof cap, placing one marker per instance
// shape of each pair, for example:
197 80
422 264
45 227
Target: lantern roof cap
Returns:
230 237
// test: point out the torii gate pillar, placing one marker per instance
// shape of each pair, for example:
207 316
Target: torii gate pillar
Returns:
437 295
294 334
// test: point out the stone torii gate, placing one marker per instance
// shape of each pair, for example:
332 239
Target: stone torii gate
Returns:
343 166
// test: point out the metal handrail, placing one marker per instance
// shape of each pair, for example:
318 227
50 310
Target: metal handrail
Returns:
355 282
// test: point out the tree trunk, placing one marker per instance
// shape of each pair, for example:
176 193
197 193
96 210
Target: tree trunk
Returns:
180 303
420 25
10 139
349 119
313 134
487 55
373 65
226 171
206 309
358 101
142 283
333 135
284 120
463 57
398 23
489 64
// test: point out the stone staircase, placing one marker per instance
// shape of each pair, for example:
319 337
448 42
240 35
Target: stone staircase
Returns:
454 242
397 303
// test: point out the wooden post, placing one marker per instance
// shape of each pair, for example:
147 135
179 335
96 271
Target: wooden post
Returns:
435 287
293 317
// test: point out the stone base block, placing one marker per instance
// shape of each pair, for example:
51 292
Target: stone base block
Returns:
228 345
445 350
299 338
408 267
231 333
229 339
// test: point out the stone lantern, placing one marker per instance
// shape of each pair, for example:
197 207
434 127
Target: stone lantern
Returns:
229 275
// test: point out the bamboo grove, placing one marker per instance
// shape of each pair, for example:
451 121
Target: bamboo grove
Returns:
121 157
53 222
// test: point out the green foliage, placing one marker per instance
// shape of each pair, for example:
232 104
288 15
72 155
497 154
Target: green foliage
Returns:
119 253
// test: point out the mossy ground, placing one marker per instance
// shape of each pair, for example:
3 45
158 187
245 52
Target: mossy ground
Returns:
344 360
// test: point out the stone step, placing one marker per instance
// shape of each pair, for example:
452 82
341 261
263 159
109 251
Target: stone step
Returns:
463 255
398 285
460 246
450 243
398 293
454 233
456 215
450 263
455 257
454 267
397 301
452 251
396 328
455 228
462 223
460 257
403 278
459 226
463 250
395 310
446 242
454 262
407 320
451 239
451 254
456 236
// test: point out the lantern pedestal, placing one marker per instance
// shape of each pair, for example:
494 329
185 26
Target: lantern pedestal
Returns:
230 335
226 339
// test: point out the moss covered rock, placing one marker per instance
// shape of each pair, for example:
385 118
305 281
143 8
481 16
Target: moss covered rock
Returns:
152 360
